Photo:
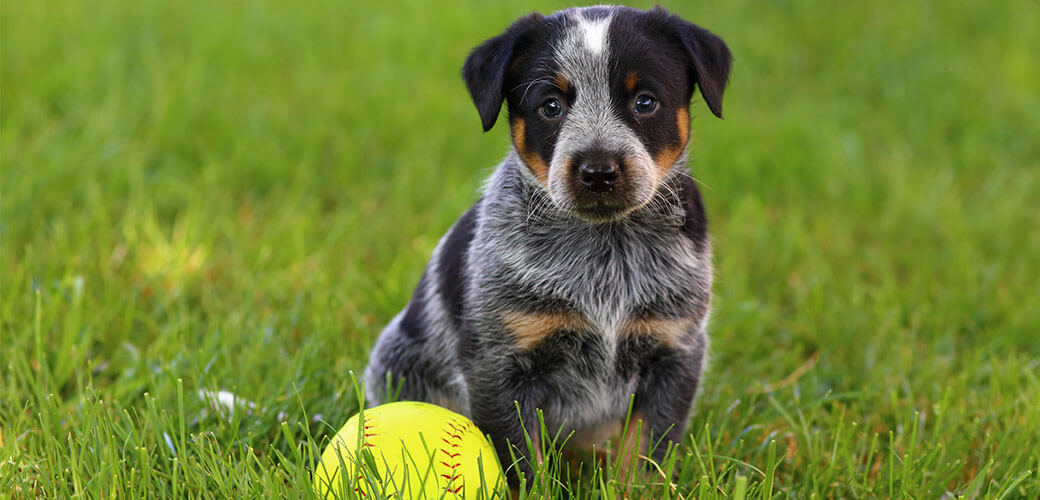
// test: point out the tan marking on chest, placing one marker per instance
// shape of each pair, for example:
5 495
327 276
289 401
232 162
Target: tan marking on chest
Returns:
538 166
529 329
668 331
668 156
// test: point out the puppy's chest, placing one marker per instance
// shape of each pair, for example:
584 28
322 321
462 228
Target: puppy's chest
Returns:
623 289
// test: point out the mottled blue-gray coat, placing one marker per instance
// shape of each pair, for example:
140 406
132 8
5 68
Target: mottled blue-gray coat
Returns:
581 279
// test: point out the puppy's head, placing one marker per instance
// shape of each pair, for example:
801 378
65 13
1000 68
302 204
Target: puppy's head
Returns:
598 99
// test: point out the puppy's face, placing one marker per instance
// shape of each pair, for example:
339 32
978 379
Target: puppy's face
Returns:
598 100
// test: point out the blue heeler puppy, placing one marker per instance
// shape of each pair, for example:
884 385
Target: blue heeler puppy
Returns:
582 276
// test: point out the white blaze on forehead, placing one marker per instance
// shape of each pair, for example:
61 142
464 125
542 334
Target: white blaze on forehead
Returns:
594 33
591 121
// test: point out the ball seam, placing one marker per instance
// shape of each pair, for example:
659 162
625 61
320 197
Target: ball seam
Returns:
452 459
368 430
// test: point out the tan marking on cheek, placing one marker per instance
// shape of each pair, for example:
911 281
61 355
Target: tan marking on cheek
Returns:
667 331
669 155
562 83
630 81
529 329
534 162
682 122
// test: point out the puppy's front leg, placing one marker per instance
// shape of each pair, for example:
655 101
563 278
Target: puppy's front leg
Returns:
522 359
666 391
499 385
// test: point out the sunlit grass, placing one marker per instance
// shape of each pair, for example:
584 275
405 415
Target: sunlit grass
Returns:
239 195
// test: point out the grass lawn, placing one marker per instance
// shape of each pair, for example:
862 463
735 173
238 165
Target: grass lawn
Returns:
239 195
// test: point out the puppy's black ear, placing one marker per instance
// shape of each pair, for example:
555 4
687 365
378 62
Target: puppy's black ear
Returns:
485 68
710 59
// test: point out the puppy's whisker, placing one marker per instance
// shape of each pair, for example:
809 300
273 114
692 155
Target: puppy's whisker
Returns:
528 84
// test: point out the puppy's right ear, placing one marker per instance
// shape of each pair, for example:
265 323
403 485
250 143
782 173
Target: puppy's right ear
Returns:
485 68
710 59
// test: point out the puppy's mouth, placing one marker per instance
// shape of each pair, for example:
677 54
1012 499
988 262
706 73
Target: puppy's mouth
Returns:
605 207
604 191
601 211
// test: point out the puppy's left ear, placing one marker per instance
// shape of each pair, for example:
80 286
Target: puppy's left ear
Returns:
485 68
710 60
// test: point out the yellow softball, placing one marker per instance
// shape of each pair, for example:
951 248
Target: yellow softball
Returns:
409 451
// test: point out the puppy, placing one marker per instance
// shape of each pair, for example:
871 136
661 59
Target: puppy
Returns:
581 279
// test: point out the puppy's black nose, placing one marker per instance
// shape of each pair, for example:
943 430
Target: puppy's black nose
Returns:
598 177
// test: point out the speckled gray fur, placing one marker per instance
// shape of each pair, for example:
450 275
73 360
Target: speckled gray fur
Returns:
521 247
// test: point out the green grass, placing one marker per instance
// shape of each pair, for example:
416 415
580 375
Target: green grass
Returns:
238 195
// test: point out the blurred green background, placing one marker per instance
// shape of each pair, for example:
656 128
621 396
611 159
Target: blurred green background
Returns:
238 195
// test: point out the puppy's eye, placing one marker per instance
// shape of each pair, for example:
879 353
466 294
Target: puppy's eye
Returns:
551 108
644 104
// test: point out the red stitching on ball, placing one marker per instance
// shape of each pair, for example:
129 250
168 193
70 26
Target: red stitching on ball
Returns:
367 425
370 431
453 439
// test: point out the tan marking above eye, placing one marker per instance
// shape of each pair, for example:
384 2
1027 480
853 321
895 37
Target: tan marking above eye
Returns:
529 329
562 83
666 330
669 155
538 166
631 80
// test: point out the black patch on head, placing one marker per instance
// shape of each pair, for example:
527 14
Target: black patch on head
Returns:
647 44
519 66
485 68
531 81
640 47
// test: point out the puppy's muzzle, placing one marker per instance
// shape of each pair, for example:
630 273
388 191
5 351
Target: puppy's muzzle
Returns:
599 177
600 185
598 172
